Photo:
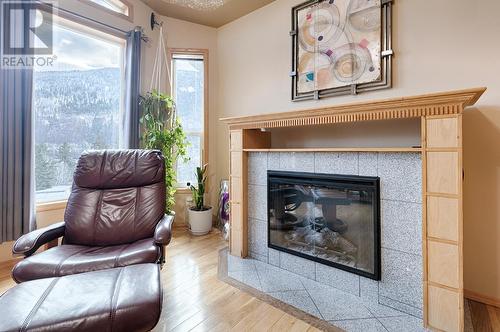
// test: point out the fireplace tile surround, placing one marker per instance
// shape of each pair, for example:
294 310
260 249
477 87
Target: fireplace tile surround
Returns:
400 290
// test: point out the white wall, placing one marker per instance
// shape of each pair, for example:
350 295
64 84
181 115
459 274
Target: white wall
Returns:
439 45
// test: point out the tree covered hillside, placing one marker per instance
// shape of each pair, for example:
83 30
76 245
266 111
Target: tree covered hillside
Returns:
74 111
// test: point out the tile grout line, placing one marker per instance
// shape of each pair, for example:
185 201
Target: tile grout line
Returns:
258 277
399 201
385 328
409 305
365 318
400 251
312 300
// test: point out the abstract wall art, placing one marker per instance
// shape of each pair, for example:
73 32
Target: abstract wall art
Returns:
340 47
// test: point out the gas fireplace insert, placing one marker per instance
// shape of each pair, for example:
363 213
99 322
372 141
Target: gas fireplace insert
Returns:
327 218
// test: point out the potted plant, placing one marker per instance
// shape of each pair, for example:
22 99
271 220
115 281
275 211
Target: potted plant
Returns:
200 216
162 130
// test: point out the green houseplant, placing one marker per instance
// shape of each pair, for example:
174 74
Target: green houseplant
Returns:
162 130
200 215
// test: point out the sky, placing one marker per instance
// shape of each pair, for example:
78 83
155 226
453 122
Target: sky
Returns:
81 51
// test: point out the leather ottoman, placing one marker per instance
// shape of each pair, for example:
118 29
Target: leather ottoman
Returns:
120 299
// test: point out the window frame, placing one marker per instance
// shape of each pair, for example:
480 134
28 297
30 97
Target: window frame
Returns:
69 20
204 53
129 17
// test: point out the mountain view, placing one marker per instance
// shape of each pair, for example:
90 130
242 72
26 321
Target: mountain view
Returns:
74 111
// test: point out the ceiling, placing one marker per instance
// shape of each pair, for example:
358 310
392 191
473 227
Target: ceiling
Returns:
214 13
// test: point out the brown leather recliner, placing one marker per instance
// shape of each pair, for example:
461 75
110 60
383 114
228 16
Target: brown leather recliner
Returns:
115 217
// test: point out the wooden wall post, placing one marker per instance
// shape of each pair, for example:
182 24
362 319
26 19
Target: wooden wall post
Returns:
240 140
443 243
238 237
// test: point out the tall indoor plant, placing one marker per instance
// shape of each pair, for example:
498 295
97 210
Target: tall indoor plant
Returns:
200 215
162 130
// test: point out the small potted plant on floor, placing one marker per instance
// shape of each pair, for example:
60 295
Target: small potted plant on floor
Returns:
200 216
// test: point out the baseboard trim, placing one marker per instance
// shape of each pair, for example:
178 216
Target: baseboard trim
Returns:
482 298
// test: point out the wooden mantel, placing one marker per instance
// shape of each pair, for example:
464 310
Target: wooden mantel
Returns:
442 103
441 150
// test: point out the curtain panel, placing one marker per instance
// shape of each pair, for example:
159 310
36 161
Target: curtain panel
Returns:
16 141
131 131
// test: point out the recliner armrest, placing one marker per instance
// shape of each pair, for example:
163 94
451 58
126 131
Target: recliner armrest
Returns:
163 231
29 243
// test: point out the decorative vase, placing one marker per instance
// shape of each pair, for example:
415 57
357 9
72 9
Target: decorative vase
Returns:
200 222
223 210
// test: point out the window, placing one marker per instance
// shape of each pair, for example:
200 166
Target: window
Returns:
116 6
77 104
188 71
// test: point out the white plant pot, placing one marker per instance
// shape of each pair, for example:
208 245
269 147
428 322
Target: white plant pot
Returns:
200 222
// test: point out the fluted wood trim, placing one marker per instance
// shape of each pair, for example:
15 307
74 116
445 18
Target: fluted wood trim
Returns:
444 103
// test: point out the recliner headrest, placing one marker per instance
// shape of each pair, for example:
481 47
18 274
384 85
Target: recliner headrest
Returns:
110 169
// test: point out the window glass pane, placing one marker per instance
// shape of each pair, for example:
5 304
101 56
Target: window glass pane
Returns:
114 5
189 98
77 106
188 94
186 171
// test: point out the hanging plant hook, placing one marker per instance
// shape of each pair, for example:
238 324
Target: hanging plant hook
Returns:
154 22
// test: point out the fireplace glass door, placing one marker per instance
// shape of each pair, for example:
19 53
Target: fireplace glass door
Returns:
331 219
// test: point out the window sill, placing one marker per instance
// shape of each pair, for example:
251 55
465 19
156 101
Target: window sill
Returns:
51 206
183 191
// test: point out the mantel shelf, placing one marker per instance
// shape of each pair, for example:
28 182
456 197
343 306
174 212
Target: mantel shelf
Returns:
374 149
435 104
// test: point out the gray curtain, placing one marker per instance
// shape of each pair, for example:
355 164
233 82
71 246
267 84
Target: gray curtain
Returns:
133 80
16 141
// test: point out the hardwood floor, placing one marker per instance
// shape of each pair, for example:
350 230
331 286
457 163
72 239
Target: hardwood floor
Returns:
484 318
196 300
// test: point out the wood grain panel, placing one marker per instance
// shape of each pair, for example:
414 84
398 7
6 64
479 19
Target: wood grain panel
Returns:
443 133
443 260
239 232
236 191
236 138
442 172
442 217
423 144
237 164
256 139
444 309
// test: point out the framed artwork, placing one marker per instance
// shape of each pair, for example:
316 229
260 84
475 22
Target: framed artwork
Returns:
340 47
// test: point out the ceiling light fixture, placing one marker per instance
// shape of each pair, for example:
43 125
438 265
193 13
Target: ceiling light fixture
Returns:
204 5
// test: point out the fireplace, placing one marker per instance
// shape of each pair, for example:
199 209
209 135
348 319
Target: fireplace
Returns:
330 219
